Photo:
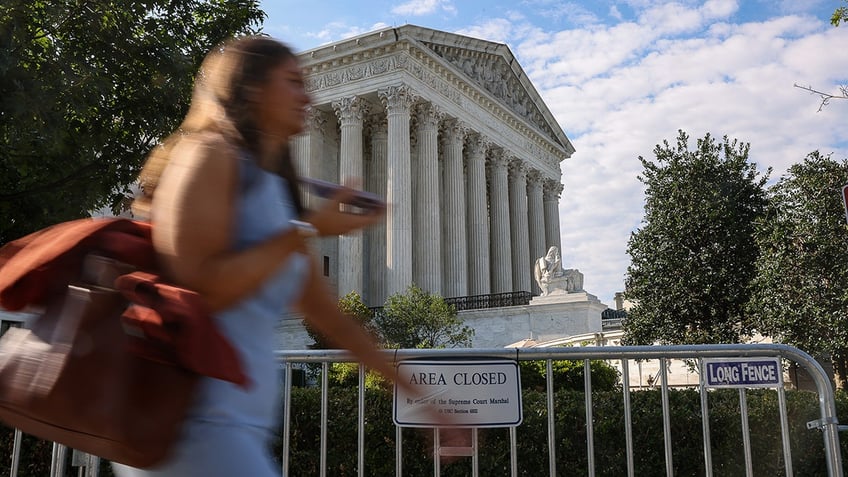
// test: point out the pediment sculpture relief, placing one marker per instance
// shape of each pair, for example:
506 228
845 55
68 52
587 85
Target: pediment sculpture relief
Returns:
495 76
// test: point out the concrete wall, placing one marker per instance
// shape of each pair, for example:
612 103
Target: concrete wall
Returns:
553 318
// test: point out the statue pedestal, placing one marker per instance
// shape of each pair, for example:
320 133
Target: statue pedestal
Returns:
562 296
547 318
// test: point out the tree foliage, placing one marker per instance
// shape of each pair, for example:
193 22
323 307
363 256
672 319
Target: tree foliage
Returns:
570 375
87 88
353 306
417 319
694 256
800 291
840 15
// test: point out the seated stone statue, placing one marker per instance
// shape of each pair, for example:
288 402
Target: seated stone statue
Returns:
550 276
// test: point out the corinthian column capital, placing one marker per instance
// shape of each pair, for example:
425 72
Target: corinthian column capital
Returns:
454 130
518 168
552 189
398 98
428 115
498 158
534 178
478 144
351 109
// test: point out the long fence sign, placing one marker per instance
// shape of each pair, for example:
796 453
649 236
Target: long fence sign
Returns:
742 373
478 393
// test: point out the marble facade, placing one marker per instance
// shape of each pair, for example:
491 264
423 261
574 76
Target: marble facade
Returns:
452 133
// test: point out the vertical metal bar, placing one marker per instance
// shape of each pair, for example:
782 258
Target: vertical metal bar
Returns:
53 459
784 428
746 432
549 381
93 466
513 452
705 423
57 466
16 453
437 461
325 384
628 418
475 459
287 417
669 465
590 427
360 427
398 451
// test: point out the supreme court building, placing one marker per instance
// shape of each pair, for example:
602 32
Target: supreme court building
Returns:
452 133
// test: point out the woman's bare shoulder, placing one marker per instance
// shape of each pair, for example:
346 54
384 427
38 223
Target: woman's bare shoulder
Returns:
202 148
201 172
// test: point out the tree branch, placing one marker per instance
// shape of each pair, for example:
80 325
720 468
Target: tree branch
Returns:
825 97
84 172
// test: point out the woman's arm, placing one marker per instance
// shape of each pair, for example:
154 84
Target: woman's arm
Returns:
322 312
193 213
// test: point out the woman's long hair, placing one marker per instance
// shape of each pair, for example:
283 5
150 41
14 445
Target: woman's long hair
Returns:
224 101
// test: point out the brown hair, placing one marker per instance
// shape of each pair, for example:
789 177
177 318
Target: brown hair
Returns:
223 101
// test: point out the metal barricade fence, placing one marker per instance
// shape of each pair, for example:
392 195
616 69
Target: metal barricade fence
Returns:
827 422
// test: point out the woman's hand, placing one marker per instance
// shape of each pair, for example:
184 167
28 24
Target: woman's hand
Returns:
334 217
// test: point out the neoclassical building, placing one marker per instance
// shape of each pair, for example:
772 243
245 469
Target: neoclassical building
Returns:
448 129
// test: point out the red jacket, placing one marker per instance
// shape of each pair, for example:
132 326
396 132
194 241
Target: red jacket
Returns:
170 317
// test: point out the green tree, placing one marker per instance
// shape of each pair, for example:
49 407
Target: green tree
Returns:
569 375
87 88
418 319
839 15
800 291
352 305
694 256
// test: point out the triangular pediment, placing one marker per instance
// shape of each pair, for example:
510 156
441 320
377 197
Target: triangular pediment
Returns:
493 73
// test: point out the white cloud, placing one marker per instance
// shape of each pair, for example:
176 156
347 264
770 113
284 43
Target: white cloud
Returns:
619 90
498 30
716 9
335 31
423 7
616 13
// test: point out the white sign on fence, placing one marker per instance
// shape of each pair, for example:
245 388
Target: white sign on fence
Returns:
742 373
480 393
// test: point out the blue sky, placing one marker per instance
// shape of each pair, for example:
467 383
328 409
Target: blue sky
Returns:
622 76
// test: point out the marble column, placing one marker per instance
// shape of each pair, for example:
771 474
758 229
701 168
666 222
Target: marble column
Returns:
479 277
519 235
398 100
536 219
426 221
551 193
454 243
307 150
376 177
499 212
351 111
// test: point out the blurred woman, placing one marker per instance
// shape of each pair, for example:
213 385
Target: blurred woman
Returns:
228 223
